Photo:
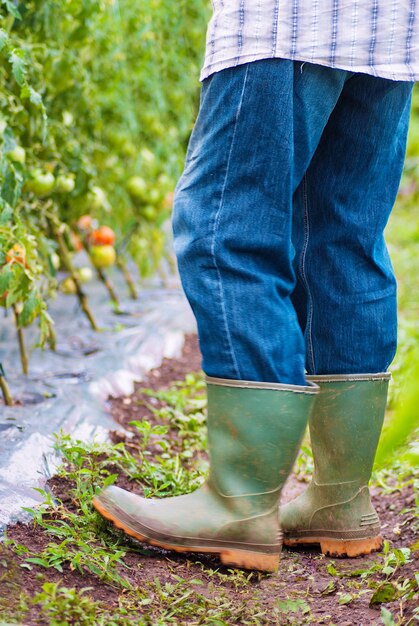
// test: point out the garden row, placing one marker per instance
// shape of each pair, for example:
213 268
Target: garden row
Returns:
96 103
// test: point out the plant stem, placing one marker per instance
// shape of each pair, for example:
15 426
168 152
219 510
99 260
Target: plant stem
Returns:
122 265
7 396
52 338
65 256
108 285
22 348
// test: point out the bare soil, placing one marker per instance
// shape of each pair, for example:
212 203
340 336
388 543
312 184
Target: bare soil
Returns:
305 575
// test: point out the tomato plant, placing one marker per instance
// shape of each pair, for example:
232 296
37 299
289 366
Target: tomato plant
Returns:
96 104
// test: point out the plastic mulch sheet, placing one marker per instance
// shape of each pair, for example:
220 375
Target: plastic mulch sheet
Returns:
68 389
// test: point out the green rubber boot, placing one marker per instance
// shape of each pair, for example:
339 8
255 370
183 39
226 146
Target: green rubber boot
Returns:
335 511
254 432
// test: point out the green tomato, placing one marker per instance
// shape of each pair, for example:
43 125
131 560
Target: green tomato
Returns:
68 118
97 198
142 244
155 195
42 183
68 286
157 128
129 150
85 274
147 156
65 184
102 256
18 154
137 187
149 212
55 260
164 181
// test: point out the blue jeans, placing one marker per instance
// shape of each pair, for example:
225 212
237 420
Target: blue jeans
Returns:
291 173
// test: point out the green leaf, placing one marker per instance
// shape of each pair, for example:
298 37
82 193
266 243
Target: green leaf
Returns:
293 606
387 618
110 480
4 38
331 569
9 140
29 309
6 212
386 592
11 7
9 187
404 420
17 59
330 588
38 561
5 277
32 95
345 598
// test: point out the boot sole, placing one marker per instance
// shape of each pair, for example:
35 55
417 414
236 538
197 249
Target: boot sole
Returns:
339 547
243 559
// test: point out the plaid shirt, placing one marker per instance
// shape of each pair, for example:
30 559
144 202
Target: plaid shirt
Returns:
378 37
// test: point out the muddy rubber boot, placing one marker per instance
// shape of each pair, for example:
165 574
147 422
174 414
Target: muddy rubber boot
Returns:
254 432
335 511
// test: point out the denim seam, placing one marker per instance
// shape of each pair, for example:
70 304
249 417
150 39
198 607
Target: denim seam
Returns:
216 223
310 308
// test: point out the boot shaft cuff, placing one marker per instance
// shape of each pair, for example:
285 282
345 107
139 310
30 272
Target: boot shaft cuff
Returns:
311 387
348 378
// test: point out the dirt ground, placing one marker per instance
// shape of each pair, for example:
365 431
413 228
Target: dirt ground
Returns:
308 589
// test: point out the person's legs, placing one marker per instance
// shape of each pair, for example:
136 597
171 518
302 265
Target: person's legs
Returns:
258 127
346 295
346 302
232 224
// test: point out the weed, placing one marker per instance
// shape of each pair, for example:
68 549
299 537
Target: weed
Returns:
304 465
380 581
239 579
62 606
78 532
183 409
296 607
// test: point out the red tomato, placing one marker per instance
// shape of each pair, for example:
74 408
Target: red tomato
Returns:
103 236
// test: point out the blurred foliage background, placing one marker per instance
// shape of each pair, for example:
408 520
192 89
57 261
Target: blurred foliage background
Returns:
97 100
403 242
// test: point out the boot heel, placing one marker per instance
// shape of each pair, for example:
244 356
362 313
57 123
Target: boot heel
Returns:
351 547
250 560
